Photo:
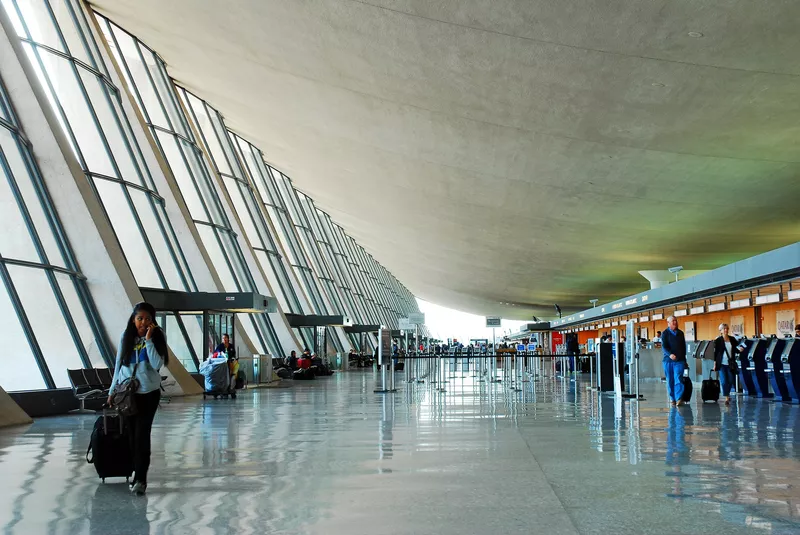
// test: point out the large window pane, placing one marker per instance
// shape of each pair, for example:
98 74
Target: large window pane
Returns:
149 218
33 204
15 240
127 232
23 374
178 345
174 156
209 237
47 321
91 345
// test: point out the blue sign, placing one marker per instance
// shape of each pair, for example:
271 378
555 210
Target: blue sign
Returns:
520 347
531 347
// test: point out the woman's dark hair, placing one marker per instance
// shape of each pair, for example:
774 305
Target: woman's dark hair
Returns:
130 335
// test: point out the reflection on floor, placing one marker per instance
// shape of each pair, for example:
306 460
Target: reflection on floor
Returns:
330 456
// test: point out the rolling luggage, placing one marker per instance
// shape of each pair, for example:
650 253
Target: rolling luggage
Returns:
110 447
688 388
710 389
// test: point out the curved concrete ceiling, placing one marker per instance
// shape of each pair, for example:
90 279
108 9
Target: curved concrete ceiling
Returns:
512 151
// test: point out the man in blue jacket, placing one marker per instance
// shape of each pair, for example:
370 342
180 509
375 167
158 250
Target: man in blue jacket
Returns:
673 346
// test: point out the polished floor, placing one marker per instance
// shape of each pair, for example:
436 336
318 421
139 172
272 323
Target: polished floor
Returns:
332 457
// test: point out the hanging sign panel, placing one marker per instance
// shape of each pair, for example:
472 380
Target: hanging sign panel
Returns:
785 323
737 326
416 318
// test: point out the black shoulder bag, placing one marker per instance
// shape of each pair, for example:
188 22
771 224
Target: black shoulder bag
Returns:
123 398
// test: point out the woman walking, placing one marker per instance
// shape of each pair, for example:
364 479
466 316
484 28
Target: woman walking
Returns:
142 352
725 353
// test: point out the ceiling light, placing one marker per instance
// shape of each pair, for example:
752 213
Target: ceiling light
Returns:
696 35
657 84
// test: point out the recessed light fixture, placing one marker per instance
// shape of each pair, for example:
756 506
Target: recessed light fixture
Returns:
657 84
696 35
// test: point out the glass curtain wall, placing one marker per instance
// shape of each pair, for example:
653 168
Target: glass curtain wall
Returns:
359 293
261 232
48 316
363 277
383 292
305 243
64 53
219 149
340 292
340 266
157 100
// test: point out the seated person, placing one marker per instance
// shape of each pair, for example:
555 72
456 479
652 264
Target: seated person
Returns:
304 362
291 361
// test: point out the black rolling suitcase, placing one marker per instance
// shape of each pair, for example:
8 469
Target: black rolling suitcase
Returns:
688 388
110 447
709 391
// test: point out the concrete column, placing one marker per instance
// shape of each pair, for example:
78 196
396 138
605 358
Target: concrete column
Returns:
10 412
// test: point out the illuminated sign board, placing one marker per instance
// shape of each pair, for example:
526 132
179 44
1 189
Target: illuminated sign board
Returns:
767 299
740 303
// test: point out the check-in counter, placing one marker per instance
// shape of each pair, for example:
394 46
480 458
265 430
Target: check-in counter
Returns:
650 362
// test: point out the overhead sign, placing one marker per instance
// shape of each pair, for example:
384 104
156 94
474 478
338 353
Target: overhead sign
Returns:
493 321
404 325
416 318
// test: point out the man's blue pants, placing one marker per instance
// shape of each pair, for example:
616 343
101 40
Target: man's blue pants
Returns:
673 371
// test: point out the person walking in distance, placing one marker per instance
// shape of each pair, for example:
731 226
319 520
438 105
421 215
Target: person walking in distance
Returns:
725 353
141 354
673 346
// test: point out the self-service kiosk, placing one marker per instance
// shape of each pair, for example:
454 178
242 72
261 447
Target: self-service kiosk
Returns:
757 367
790 367
774 369
694 356
745 378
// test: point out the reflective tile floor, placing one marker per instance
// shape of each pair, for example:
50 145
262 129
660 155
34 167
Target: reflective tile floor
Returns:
332 457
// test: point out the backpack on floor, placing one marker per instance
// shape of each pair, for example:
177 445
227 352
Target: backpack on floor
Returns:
709 391
303 375
284 373
110 447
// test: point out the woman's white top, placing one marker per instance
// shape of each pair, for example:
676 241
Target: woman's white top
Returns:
728 351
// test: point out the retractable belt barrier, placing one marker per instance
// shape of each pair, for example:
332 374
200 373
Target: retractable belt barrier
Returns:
516 368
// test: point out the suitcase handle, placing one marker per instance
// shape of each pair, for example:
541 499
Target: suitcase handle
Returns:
88 450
